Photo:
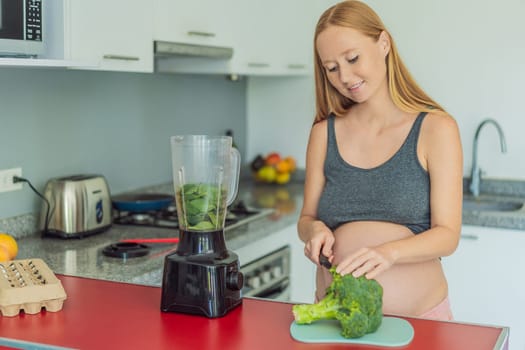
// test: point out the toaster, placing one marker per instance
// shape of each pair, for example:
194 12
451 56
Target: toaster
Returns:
79 205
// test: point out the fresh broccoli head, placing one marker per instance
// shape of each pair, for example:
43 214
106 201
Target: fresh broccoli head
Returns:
355 302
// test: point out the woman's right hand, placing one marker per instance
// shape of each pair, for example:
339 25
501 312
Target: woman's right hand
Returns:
320 240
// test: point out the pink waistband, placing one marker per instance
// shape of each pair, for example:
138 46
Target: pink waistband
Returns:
440 312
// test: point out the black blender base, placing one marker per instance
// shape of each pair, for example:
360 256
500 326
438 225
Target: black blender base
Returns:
202 284
213 311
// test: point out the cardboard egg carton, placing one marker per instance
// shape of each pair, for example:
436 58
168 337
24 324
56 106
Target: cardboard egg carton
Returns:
29 285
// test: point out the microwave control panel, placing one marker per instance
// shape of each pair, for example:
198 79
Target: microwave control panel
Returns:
33 15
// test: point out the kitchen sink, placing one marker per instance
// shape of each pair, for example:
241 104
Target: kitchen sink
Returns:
486 204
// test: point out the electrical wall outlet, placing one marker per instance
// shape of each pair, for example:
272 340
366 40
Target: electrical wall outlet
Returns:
6 180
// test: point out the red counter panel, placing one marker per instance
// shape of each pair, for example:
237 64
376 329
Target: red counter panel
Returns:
109 315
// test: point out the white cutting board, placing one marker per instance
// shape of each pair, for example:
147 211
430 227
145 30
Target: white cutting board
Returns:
393 332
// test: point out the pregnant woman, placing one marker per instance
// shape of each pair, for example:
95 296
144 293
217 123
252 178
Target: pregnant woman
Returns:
383 186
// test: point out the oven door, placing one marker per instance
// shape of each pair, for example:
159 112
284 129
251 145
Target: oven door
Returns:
280 291
269 276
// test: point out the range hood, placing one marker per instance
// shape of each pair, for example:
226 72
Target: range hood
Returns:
174 49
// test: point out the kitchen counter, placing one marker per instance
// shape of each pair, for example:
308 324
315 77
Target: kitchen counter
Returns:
83 257
103 315
514 219
499 191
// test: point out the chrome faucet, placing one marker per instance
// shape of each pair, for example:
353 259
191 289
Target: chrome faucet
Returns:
475 176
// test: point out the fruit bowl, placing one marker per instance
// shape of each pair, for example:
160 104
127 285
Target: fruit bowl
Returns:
273 168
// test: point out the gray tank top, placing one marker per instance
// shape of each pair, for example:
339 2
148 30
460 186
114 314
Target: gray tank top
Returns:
397 191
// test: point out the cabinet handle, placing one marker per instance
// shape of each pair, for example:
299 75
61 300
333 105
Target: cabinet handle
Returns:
470 237
296 66
121 58
258 64
199 33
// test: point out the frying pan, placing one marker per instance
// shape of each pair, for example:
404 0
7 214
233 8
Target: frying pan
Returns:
142 202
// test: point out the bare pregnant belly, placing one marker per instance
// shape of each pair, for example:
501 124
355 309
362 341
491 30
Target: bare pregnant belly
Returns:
409 289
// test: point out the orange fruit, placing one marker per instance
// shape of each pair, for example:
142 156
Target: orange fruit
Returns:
291 163
283 166
9 246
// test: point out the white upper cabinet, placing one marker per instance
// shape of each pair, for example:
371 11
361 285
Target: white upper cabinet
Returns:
275 38
205 22
268 37
111 35
256 49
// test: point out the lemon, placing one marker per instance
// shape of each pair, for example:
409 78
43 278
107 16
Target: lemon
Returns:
282 178
267 173
4 254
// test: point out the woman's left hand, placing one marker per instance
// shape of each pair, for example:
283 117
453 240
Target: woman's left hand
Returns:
369 262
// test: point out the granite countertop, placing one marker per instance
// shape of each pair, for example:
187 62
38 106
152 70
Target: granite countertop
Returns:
83 257
510 219
510 191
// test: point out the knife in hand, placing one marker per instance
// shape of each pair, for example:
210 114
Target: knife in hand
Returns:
323 260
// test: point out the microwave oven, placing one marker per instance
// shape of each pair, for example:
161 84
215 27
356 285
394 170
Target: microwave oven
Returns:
21 28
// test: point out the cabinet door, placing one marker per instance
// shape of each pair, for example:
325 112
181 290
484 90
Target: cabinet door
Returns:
302 275
274 37
111 35
204 22
302 270
297 33
485 276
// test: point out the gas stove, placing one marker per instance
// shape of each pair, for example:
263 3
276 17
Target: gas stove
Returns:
238 214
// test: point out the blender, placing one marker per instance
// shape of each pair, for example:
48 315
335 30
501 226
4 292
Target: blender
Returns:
202 276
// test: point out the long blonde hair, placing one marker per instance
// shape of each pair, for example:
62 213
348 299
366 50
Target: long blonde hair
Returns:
404 91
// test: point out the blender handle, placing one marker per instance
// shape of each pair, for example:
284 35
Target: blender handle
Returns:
234 178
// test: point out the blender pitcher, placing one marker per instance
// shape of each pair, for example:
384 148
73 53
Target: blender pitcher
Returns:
202 276
206 178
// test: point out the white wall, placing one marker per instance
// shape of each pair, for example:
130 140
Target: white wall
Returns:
468 55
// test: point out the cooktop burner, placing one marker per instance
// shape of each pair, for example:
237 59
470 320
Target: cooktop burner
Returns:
238 214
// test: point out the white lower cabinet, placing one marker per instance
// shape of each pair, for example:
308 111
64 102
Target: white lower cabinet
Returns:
302 275
486 279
